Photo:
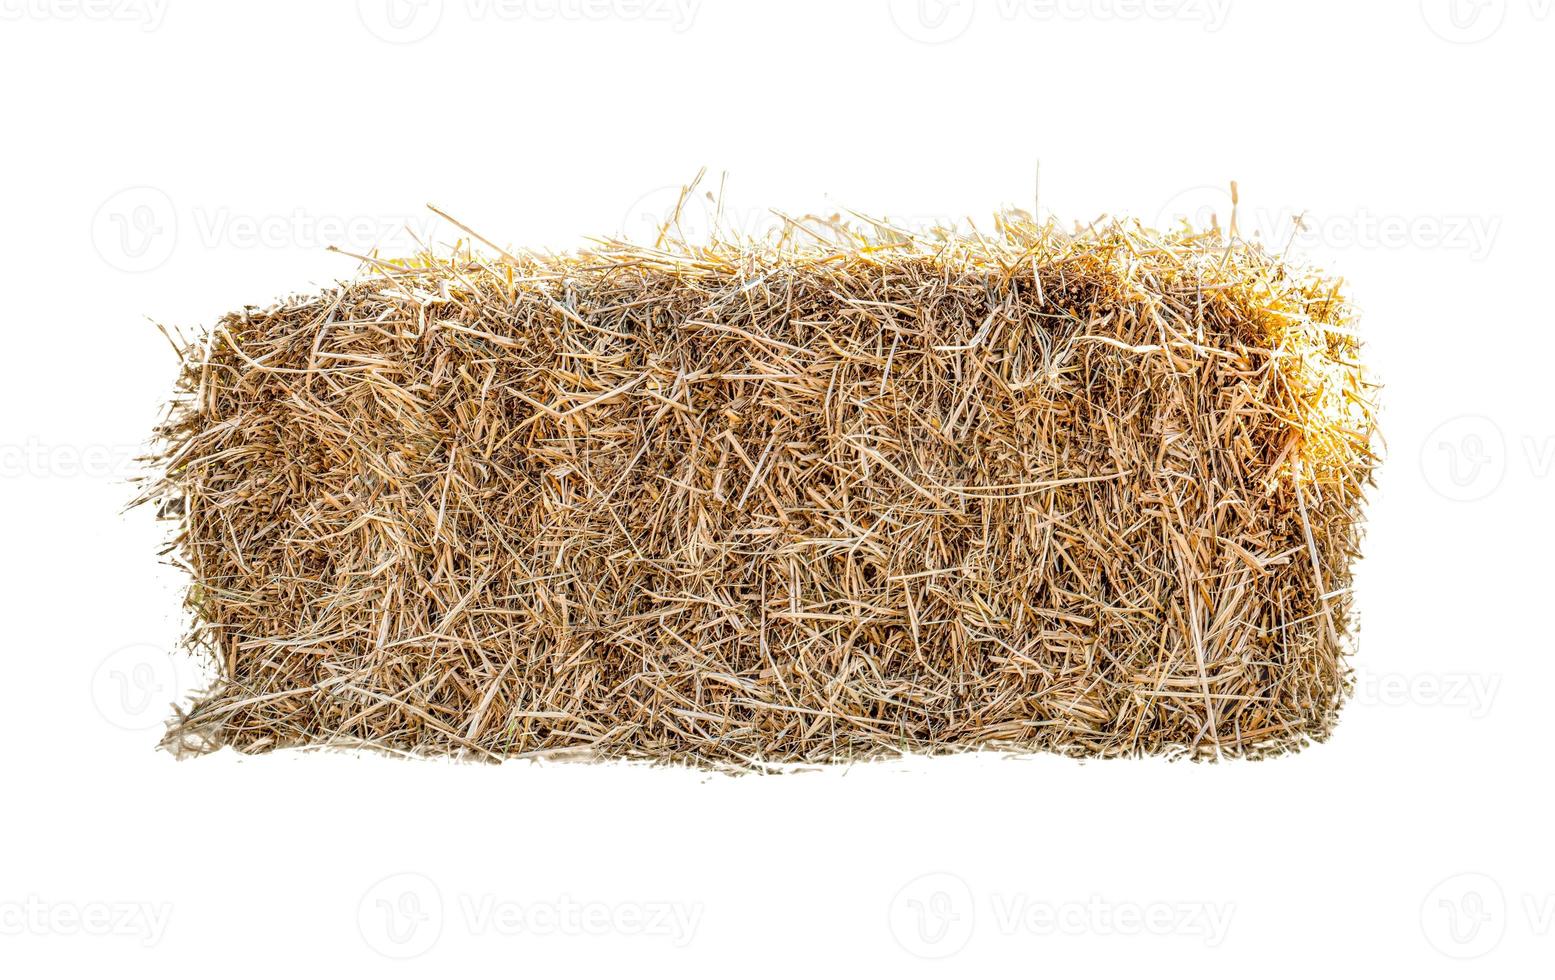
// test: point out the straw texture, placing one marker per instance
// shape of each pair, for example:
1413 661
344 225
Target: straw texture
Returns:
840 493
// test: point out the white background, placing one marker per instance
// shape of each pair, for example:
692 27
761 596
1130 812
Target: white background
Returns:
167 163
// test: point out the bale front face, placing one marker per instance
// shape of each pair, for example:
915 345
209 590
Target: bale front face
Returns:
757 505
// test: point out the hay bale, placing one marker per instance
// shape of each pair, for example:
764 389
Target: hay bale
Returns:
832 496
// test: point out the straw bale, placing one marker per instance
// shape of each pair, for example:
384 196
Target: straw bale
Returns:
843 492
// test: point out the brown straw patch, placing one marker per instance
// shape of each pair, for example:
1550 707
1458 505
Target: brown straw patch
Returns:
833 495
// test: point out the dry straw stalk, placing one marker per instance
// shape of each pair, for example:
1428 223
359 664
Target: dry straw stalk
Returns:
840 493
